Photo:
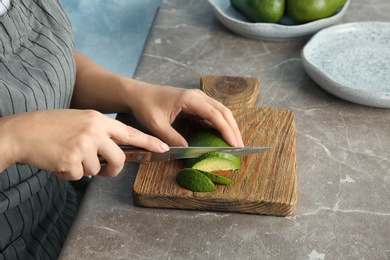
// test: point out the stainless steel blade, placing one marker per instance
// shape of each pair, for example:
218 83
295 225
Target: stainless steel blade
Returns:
242 151
135 154
194 152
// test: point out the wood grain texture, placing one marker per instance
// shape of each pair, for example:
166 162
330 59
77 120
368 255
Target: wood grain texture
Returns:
266 183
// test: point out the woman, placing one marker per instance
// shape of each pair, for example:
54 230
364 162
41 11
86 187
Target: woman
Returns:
52 129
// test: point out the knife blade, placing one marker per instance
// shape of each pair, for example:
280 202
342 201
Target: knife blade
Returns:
135 154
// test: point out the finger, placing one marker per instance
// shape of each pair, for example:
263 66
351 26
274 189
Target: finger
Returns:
228 115
216 113
91 166
114 157
129 135
222 119
168 134
224 128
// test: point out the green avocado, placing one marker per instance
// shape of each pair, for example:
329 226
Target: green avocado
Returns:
303 11
268 11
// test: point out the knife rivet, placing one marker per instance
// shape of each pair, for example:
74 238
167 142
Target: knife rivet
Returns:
139 157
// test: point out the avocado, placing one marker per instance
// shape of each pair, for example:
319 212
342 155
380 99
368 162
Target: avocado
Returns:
303 11
268 11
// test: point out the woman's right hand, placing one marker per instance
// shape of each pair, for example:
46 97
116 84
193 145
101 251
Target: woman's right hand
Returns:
67 142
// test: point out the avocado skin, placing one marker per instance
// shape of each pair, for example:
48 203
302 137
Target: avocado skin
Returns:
303 11
268 11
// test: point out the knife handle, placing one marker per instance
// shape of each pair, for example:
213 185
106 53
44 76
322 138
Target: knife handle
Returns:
137 155
133 155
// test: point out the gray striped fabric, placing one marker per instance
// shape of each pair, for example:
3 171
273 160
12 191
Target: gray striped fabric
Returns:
37 71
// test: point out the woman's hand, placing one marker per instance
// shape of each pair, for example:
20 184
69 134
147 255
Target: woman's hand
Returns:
156 107
68 142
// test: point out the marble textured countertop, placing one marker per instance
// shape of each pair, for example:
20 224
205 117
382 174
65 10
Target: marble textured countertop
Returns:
343 160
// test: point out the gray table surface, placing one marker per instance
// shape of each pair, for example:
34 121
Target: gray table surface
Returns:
342 158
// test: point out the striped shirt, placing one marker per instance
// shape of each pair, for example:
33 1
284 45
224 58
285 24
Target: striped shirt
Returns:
37 71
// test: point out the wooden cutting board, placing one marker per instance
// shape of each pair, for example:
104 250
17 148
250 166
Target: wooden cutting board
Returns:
266 183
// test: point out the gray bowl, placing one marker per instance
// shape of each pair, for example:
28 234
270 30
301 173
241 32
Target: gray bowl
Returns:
285 30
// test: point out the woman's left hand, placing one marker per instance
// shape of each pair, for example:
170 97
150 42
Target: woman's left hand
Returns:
158 106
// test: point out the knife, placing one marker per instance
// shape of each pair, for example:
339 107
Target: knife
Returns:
135 154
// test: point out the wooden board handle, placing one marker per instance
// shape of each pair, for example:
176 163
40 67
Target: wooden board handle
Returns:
234 92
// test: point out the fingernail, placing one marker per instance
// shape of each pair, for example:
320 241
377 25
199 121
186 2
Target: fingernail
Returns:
240 143
164 147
